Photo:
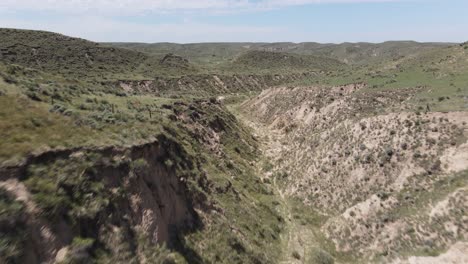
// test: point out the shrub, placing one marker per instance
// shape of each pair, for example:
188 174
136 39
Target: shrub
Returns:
47 196
8 78
79 251
58 109
169 163
404 146
68 112
140 117
82 242
296 255
33 96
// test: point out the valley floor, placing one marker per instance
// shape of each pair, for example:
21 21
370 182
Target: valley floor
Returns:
302 238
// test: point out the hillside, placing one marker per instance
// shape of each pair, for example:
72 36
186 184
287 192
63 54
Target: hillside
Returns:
389 181
80 58
204 54
277 61
366 53
210 54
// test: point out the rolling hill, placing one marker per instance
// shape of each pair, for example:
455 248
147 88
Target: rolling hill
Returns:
280 61
60 54
351 53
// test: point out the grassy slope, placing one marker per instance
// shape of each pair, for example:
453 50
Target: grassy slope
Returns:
58 113
212 54
80 58
441 72
278 62
204 54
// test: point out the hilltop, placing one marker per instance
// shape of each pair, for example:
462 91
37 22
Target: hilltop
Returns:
56 53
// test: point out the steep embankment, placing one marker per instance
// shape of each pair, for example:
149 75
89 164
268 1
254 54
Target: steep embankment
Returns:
192 188
98 199
393 182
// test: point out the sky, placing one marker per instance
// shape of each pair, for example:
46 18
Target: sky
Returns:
189 21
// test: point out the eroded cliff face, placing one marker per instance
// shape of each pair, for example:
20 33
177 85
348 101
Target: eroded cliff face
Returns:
392 181
110 195
191 187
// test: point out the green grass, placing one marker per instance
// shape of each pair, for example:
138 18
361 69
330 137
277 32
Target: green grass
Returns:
55 53
211 55
12 228
26 126
326 251
421 201
446 79
281 63
64 116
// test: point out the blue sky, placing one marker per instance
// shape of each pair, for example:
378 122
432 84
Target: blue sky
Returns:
186 21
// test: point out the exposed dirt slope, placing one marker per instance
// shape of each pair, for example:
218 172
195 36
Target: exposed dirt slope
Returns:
393 182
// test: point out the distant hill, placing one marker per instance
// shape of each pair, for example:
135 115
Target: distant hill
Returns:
264 60
74 57
57 53
368 53
49 57
204 54
351 53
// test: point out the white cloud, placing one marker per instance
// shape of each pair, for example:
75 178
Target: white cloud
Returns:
111 30
105 29
128 7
